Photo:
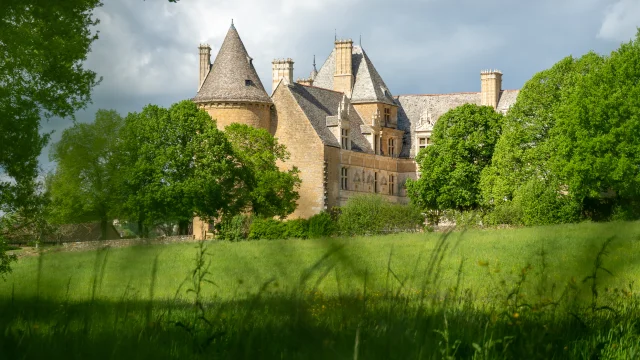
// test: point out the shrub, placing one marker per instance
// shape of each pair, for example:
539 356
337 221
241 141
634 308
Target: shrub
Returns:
235 228
298 228
403 217
541 203
362 215
468 218
321 225
372 214
506 213
268 229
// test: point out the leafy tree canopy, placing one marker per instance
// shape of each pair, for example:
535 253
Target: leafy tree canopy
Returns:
42 48
176 164
85 182
273 191
574 130
463 142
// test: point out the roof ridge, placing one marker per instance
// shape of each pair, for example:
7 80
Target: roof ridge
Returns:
321 88
441 94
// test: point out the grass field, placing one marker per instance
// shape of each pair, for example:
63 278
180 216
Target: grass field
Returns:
511 293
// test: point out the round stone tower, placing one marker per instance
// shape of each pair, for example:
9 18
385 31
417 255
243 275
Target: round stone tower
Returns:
231 91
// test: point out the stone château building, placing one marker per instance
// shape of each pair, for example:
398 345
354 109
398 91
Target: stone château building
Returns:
345 130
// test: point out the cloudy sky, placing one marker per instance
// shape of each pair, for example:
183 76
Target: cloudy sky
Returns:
147 50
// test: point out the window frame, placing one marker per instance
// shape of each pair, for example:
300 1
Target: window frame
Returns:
344 139
375 183
344 178
392 183
391 146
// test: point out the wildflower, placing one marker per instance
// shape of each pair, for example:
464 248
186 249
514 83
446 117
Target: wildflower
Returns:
516 315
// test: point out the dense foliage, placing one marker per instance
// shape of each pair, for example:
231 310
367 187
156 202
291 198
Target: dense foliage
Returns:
83 185
163 166
372 214
463 142
43 45
567 150
272 192
175 163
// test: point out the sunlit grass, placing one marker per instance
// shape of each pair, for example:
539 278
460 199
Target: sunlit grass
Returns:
482 294
490 256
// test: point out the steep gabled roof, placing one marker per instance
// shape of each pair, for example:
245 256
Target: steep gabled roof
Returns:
227 79
368 84
318 104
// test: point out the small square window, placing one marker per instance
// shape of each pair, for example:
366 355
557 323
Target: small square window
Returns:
248 83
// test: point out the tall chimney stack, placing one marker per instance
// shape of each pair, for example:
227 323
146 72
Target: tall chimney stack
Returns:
205 62
490 87
282 69
343 77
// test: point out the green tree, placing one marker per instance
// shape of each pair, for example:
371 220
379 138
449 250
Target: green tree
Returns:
43 45
524 149
273 192
86 179
573 134
597 136
176 164
463 142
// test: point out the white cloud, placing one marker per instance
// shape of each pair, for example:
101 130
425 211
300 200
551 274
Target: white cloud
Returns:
621 21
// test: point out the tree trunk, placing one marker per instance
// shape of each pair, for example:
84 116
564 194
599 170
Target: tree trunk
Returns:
103 229
183 227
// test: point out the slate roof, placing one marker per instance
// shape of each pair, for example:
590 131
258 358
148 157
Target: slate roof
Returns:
226 80
368 84
318 104
414 110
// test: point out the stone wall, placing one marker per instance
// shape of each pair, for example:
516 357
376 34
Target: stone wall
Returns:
257 115
292 129
93 245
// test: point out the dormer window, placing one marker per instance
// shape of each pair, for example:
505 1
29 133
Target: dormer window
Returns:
345 138
248 82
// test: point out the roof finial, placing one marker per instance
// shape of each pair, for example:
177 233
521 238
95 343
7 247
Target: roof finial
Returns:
314 61
335 34
360 40
232 23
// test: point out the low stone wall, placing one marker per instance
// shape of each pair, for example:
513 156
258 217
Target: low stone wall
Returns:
93 245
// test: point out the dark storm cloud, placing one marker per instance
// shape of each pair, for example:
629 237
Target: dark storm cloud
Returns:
147 51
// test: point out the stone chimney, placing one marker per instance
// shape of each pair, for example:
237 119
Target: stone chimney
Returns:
490 87
343 77
205 62
282 69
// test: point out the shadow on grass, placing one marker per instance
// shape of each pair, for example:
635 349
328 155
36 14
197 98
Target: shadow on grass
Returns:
313 326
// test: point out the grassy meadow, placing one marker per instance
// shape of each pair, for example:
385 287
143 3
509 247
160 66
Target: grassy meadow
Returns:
509 293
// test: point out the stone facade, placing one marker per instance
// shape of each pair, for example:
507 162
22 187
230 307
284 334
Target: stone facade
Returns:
346 132
254 114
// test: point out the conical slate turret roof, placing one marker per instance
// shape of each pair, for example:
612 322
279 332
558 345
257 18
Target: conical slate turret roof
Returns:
232 76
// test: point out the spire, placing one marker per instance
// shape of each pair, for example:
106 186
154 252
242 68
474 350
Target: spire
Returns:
314 72
232 76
